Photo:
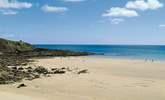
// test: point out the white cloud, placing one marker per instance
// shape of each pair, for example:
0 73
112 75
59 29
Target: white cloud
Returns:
73 0
14 4
120 12
8 7
130 10
117 20
162 25
54 9
144 5
8 12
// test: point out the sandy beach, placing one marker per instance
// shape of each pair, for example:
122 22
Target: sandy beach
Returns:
107 79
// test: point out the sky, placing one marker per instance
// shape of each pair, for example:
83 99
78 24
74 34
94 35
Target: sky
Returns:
83 21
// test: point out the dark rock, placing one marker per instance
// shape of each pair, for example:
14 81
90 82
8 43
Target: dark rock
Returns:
41 70
83 71
14 68
36 76
63 68
53 69
21 85
20 68
59 72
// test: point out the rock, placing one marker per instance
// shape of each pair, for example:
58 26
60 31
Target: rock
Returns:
21 85
14 68
59 72
53 69
1 53
4 77
41 70
29 68
63 68
20 68
37 76
82 71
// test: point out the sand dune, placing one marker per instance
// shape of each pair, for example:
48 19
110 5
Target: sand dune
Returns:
108 79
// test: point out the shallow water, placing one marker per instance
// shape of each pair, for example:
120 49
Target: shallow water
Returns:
116 51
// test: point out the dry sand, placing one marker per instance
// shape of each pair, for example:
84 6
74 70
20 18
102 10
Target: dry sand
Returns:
108 79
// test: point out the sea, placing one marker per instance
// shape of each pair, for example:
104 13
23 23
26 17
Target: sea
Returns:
145 52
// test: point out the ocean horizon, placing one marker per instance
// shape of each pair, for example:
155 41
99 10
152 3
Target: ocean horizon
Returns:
146 52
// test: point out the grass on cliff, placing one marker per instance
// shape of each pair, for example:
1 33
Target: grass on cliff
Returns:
11 46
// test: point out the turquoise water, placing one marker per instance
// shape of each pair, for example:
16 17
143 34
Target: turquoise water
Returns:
116 51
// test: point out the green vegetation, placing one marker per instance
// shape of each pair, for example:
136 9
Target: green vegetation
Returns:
14 46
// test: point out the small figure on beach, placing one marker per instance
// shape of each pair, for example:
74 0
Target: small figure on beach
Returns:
152 60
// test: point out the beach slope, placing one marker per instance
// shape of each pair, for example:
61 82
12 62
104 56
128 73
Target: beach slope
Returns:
106 79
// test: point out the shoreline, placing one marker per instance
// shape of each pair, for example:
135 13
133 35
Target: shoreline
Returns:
105 80
112 58
127 58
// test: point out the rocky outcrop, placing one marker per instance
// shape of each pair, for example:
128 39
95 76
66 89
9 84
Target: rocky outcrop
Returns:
20 48
14 46
14 54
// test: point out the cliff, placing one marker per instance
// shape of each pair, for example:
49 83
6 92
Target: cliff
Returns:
14 46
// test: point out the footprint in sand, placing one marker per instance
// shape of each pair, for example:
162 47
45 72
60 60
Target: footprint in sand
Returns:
145 83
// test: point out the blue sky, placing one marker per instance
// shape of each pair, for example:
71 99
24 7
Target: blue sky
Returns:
83 21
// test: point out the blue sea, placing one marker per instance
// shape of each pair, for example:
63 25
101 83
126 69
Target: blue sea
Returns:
116 51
